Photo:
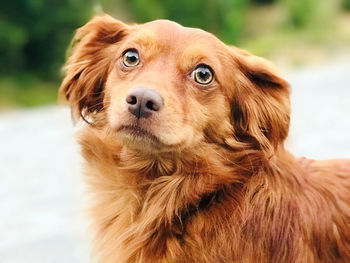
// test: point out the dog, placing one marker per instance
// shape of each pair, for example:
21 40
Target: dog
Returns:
184 152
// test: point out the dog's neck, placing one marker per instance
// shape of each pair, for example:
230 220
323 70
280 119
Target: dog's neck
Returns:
208 158
161 193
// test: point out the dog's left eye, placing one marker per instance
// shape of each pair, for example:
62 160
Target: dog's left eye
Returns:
131 58
203 75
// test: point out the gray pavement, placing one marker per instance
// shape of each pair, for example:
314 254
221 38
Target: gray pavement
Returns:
320 125
40 188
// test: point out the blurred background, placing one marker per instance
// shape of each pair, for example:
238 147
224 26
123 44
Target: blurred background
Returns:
41 193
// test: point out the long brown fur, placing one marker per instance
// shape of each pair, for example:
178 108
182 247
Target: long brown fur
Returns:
212 182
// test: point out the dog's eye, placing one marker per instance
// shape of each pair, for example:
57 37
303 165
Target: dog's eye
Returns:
131 58
203 75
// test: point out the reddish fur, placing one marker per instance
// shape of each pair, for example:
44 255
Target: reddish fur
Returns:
220 187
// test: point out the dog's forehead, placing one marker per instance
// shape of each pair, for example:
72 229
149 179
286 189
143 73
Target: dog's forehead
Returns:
169 33
163 25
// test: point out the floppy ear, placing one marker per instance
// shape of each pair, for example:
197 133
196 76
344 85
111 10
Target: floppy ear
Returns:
260 107
89 64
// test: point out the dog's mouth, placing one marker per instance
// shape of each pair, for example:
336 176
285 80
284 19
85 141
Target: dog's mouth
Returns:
137 131
136 134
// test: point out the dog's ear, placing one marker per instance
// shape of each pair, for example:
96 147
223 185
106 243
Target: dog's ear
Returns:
260 106
88 65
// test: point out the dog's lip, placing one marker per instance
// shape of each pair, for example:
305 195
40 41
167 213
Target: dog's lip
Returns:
137 131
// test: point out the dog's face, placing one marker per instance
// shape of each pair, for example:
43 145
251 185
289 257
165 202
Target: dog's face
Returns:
164 90
163 87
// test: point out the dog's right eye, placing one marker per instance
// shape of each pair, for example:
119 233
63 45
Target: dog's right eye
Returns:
131 58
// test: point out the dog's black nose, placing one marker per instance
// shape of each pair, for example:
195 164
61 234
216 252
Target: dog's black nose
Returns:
144 102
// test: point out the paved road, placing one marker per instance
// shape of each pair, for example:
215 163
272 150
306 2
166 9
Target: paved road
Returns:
40 188
321 111
40 191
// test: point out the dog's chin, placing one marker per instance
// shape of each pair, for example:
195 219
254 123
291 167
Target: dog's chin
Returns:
143 140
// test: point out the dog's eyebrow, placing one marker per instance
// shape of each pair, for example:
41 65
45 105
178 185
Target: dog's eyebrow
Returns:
197 54
145 40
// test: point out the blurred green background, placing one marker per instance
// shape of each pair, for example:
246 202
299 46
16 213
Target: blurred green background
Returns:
34 34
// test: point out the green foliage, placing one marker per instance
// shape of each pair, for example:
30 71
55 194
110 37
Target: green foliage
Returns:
311 12
263 1
346 4
224 17
300 12
25 89
35 33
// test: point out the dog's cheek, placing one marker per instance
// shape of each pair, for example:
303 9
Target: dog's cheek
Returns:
172 124
197 120
182 121
115 94
219 125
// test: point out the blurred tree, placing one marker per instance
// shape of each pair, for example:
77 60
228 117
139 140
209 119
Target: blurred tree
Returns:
311 12
34 34
223 17
300 11
263 1
346 4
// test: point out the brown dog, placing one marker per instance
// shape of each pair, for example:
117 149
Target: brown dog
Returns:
185 154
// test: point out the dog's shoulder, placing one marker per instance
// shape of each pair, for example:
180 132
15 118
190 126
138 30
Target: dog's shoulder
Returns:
332 167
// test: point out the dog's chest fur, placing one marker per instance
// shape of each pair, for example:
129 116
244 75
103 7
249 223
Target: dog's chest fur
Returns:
186 217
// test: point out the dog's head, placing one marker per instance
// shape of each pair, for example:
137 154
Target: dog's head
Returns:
163 87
